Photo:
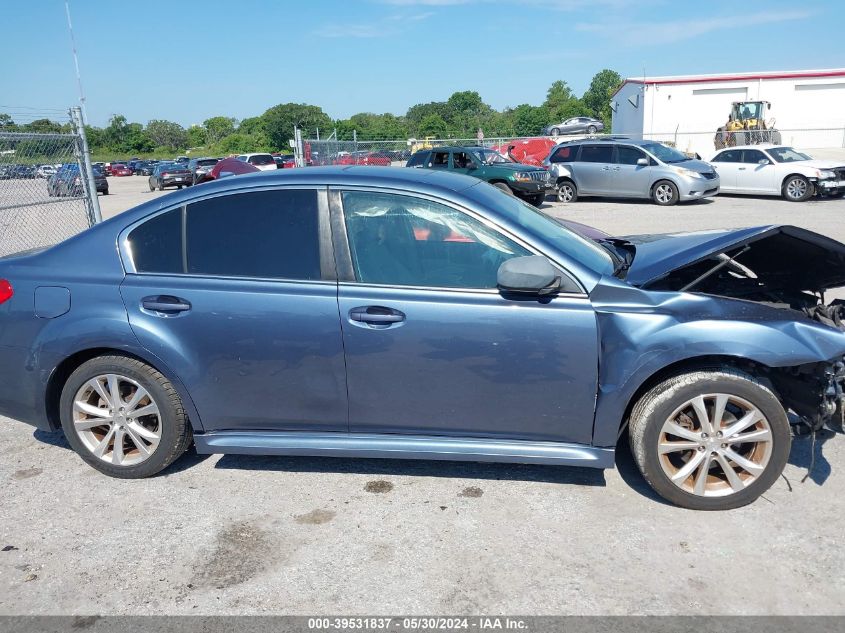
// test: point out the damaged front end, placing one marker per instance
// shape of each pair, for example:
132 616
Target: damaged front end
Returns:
782 267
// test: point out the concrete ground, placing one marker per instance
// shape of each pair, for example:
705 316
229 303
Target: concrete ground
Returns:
235 535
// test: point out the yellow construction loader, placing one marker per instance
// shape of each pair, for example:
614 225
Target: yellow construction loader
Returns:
747 126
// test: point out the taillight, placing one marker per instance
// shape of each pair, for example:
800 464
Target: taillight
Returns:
6 291
164 174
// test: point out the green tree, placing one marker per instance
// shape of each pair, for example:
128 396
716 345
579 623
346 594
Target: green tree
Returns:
239 143
218 127
252 125
528 120
558 94
597 96
371 126
168 134
280 120
432 125
466 112
197 136
6 123
417 113
42 126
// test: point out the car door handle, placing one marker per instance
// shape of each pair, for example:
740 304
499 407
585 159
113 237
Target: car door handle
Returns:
165 304
605 168
376 315
741 168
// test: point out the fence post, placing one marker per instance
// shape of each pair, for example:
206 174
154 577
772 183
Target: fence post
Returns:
89 187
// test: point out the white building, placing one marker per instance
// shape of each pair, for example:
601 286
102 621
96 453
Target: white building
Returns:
807 106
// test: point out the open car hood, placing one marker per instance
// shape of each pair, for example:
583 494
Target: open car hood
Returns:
779 258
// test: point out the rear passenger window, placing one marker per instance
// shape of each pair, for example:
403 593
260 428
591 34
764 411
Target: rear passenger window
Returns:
417 159
265 234
156 245
563 155
596 153
626 155
752 156
440 160
730 156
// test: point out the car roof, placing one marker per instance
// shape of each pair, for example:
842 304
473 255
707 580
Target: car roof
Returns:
462 148
757 146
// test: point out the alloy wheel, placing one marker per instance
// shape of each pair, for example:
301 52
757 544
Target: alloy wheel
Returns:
796 188
565 193
117 420
715 445
663 193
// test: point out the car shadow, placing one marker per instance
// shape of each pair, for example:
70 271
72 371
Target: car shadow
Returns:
630 472
802 452
187 461
416 468
628 201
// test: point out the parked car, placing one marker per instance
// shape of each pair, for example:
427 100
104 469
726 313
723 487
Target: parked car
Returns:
146 168
525 181
68 182
45 171
628 168
170 175
285 161
228 167
224 315
777 170
17 172
119 169
181 159
199 167
264 162
575 125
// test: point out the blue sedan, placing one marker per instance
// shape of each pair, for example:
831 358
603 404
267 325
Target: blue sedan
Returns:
377 312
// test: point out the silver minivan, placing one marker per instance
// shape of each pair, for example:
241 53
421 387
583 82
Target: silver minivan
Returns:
628 168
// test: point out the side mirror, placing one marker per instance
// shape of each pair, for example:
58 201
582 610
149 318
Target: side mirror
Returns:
763 161
530 275
642 162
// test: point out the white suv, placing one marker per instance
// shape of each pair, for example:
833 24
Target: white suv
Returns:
264 162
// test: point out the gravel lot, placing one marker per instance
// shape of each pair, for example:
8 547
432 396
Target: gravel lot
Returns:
231 534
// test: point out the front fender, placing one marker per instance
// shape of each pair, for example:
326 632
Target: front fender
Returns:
644 332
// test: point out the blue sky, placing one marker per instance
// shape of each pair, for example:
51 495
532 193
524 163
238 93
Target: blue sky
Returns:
186 61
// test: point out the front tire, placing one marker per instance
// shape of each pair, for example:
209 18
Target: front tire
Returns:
555 132
664 193
710 440
504 187
797 189
123 417
537 200
591 129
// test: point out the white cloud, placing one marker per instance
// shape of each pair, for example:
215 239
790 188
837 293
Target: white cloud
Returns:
679 30
384 27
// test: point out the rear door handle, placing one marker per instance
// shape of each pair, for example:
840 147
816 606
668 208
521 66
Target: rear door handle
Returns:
605 168
165 303
376 315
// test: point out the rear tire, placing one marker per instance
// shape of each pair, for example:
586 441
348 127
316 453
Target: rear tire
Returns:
567 191
698 463
796 188
555 131
664 193
161 187
144 429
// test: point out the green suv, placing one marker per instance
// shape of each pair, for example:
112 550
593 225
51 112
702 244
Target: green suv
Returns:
526 181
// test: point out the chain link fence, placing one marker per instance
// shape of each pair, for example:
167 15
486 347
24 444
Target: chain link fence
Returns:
47 193
825 141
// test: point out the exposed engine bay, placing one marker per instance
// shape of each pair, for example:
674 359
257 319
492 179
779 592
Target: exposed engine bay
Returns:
783 267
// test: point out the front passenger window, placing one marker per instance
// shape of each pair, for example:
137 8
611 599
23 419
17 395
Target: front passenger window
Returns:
401 240
440 160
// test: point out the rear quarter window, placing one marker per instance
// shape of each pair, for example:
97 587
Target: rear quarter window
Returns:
156 245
